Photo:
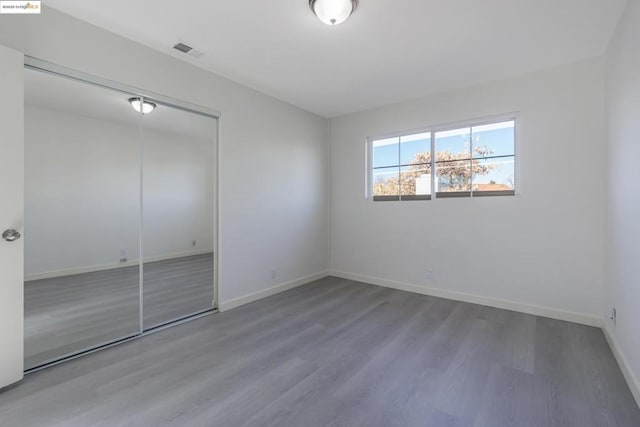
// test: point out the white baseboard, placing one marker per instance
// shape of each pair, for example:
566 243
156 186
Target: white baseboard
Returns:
246 299
568 316
632 380
110 266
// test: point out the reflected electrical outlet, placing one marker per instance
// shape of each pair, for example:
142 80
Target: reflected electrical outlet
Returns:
431 276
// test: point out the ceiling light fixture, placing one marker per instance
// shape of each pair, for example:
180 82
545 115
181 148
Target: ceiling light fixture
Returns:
147 106
333 12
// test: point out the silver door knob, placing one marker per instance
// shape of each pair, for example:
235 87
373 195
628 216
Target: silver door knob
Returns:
10 235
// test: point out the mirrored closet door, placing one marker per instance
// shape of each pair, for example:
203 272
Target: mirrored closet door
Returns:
82 210
178 179
119 215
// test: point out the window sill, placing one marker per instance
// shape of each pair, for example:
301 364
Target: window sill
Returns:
401 198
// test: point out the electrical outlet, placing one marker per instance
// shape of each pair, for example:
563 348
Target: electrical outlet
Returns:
123 255
614 316
274 273
431 276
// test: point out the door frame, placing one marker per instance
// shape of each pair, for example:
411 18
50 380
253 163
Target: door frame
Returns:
11 217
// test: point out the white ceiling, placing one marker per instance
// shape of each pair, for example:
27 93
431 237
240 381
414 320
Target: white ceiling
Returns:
52 92
388 51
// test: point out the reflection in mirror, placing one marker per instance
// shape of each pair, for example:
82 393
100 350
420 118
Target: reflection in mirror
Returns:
178 195
82 215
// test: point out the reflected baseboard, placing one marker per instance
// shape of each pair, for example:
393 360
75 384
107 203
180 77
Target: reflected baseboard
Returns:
28 277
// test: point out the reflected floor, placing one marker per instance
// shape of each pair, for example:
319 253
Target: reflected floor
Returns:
68 314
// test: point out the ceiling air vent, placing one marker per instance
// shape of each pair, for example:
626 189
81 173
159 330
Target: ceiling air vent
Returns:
184 48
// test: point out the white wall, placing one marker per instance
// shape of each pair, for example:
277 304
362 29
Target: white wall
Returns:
82 205
540 251
623 216
273 156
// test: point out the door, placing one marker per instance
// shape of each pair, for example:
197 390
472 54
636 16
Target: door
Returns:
178 172
82 217
11 215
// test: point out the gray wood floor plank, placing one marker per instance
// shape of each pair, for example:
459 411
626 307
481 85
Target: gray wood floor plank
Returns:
374 375
236 409
599 369
452 332
338 353
520 341
508 400
311 398
558 367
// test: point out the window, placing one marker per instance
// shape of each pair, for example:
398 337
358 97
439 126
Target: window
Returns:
402 167
469 161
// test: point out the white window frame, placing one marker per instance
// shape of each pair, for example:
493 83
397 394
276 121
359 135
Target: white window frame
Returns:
517 154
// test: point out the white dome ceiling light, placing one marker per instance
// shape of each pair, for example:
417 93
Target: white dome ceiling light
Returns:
333 12
147 106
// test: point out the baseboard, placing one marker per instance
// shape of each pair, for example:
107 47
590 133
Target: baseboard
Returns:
111 266
632 380
237 302
568 316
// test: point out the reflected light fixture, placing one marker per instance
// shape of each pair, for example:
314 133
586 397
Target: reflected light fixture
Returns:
147 106
333 12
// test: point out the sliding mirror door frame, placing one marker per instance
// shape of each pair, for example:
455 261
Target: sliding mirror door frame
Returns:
177 209
63 72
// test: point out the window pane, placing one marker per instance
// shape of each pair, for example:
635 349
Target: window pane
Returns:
453 144
415 149
453 176
494 174
386 152
415 180
386 181
497 139
467 159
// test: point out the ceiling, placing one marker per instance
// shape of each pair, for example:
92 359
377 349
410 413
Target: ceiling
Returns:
52 92
388 51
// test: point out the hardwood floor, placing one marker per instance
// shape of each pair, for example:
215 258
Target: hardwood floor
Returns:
71 313
339 353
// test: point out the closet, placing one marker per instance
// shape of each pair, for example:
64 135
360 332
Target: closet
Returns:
120 213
